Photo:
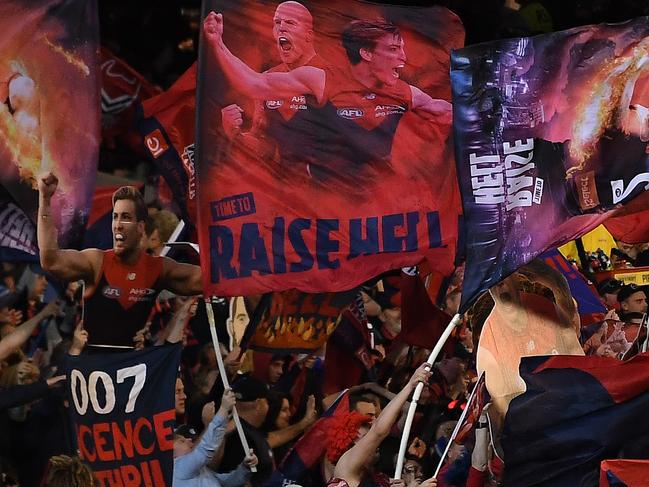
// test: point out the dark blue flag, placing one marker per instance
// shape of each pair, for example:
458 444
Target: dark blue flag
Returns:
576 412
122 406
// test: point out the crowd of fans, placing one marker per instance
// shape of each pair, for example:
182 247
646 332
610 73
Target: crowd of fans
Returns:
280 400
277 401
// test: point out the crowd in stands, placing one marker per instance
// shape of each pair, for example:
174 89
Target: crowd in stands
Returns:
280 397
277 401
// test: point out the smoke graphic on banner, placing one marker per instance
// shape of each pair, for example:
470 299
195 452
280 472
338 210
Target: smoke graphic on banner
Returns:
550 133
322 185
122 406
49 107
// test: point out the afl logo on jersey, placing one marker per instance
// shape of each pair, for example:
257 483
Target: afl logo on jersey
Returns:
274 104
350 113
111 292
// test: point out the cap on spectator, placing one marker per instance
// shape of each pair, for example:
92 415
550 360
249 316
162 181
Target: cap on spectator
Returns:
626 291
609 286
249 388
186 431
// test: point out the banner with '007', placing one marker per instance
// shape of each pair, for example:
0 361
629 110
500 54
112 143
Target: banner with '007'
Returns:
122 406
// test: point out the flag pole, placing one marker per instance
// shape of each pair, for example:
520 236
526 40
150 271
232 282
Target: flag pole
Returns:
415 397
458 425
224 377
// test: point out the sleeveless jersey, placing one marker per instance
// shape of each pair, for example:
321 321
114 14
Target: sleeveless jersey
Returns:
120 303
292 123
356 125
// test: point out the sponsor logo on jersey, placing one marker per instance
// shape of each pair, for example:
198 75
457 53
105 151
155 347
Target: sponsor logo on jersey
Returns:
141 294
274 104
350 113
384 110
298 103
111 292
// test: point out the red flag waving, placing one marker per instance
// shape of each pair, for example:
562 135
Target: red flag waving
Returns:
168 130
122 88
422 323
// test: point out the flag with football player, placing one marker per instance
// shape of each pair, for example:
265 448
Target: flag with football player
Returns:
324 155
551 137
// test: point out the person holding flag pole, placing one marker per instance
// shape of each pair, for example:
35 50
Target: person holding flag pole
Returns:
457 319
224 378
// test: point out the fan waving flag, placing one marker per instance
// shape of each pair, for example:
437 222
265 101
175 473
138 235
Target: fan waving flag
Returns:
301 466
576 412
551 136
49 114
324 185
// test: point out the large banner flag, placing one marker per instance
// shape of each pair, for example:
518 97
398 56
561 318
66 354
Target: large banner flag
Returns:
324 143
297 322
550 133
49 107
624 473
122 406
576 412
122 88
167 126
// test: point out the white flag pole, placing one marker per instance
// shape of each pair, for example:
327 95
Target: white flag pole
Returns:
415 397
224 377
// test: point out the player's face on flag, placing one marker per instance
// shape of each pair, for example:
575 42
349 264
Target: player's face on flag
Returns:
292 31
388 59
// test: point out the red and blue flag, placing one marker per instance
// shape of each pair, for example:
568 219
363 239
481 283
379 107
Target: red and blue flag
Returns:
576 412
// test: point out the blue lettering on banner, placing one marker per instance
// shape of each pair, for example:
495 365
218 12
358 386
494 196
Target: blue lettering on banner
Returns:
359 245
233 207
324 245
266 253
279 260
252 252
297 241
